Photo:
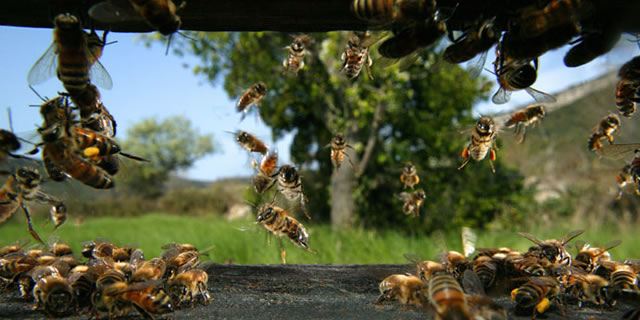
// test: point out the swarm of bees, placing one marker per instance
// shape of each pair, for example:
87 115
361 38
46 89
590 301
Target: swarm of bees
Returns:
546 276
114 281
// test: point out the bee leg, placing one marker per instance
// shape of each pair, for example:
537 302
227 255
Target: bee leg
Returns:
33 233
368 66
283 255
619 196
524 132
465 155
355 168
610 139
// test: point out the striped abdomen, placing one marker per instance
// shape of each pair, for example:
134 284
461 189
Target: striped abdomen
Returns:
8 209
515 119
626 97
623 277
447 297
73 54
485 267
480 146
78 168
85 138
374 10
160 14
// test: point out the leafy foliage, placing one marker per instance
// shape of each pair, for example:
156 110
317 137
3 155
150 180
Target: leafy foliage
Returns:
170 145
411 114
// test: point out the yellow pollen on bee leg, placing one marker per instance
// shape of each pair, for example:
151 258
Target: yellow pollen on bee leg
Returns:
543 305
91 152
513 294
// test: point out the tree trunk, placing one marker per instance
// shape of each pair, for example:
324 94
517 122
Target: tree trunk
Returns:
342 203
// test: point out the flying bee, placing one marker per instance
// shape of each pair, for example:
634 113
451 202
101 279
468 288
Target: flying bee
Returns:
425 269
627 89
21 188
54 295
592 256
409 177
58 214
605 129
290 186
533 21
263 180
412 202
591 46
278 222
9 143
625 178
552 249
189 287
75 63
356 55
516 75
478 40
536 293
93 112
483 136
339 151
294 62
251 142
448 298
524 118
159 14
250 97
407 288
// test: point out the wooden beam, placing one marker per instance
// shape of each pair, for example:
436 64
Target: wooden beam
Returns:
202 15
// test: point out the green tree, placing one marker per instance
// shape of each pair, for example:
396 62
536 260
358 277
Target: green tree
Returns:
170 145
404 115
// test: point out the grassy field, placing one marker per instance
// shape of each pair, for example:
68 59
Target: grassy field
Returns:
244 242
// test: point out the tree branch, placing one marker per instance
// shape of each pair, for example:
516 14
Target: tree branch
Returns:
371 142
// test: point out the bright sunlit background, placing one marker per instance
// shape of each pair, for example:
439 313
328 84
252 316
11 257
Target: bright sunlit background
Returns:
149 84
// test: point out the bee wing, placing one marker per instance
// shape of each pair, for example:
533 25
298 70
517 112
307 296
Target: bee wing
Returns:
412 257
469 239
404 196
617 151
611 244
136 258
99 75
114 11
540 96
141 286
502 96
476 66
580 245
472 284
45 67
531 237
571 235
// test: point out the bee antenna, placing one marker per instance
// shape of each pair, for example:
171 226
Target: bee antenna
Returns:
490 71
254 205
37 94
112 42
187 36
9 117
166 51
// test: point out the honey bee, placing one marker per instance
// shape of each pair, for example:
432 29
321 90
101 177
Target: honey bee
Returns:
189 287
478 40
412 202
522 48
425 269
422 34
592 257
531 266
407 288
290 186
54 295
9 143
627 94
516 75
21 188
16 263
533 21
153 269
622 276
448 298
536 293
356 55
58 214
552 250
586 288
263 180
294 62
102 248
485 267
58 247
119 298
455 262
93 112
159 14
409 177
483 136
624 178
82 280
17 246
392 11
278 222
251 143
76 65
339 151
176 261
605 129
591 46
250 97
524 118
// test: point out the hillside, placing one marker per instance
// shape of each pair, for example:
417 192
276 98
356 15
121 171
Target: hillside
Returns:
555 157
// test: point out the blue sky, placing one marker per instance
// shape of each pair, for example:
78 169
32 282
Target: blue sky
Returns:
149 84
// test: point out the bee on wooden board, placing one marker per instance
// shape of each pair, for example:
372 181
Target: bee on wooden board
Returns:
281 224
159 14
553 250
251 97
407 288
605 129
356 55
120 298
412 202
529 116
592 256
297 50
425 269
448 298
189 287
22 188
54 296
537 293
70 57
339 147
483 136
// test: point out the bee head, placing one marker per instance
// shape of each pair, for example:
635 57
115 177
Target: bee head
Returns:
338 138
485 125
265 213
420 193
260 87
9 140
171 26
613 119
28 176
66 21
242 136
288 173
408 167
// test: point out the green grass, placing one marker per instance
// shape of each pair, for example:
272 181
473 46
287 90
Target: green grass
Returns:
244 242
